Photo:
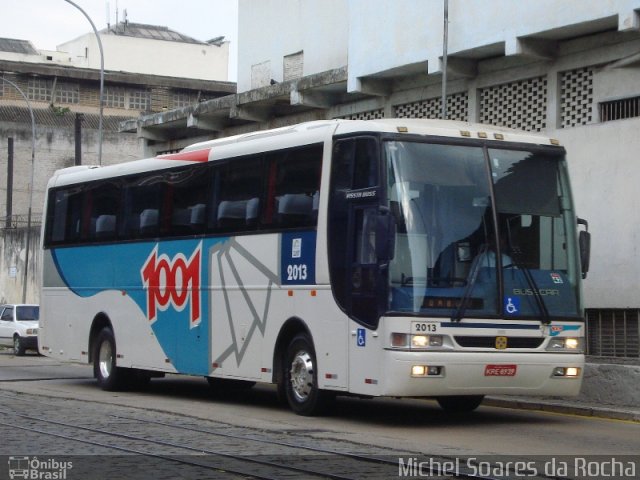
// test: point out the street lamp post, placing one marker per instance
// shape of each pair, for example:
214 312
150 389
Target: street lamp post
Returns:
95 30
33 156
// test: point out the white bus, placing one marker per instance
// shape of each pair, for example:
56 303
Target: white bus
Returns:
396 257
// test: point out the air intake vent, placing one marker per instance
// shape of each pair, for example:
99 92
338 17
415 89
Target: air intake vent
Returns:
619 109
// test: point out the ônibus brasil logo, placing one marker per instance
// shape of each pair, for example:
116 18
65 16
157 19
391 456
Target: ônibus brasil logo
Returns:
172 282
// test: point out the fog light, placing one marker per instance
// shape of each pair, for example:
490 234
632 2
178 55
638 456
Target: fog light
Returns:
418 371
566 372
426 370
572 372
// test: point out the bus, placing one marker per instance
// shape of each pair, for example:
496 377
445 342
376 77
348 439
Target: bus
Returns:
395 257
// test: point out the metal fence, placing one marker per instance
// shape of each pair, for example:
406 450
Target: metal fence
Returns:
613 332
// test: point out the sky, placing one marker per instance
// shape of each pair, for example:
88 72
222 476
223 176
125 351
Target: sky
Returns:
48 23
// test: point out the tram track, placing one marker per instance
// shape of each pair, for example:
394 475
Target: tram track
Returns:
217 453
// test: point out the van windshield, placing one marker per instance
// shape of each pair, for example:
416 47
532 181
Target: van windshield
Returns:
27 313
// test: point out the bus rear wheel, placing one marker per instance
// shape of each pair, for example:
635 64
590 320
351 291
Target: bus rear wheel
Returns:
461 403
301 378
109 376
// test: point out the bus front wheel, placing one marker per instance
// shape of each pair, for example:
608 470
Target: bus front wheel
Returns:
108 375
301 378
461 403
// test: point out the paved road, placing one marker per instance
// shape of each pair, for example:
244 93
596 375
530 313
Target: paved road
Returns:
54 410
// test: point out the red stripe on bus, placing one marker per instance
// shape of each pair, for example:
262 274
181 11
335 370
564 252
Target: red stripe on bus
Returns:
192 156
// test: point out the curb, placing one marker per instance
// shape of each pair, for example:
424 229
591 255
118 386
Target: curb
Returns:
606 412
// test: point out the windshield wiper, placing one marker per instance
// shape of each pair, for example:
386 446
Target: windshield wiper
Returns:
458 313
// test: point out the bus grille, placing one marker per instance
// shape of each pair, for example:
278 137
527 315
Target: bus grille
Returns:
490 342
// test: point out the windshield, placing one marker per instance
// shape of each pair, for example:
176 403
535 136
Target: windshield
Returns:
456 256
26 313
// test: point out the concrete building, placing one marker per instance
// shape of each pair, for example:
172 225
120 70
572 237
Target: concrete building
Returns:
569 69
63 92
151 50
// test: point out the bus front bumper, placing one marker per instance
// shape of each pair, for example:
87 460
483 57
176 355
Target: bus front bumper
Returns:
423 374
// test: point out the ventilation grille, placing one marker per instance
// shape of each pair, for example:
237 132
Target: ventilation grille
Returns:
521 105
613 332
619 109
370 115
576 97
457 108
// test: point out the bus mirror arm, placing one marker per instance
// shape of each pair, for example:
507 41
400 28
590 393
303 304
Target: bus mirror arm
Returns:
385 236
584 242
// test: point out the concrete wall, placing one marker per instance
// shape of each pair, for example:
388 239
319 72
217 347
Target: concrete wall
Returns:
269 30
603 161
153 57
55 149
12 265
404 32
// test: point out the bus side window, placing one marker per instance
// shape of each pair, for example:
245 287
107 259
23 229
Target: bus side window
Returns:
240 186
102 203
188 200
294 188
142 204
65 214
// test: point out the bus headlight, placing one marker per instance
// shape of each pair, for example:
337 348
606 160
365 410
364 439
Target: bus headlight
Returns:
415 342
567 344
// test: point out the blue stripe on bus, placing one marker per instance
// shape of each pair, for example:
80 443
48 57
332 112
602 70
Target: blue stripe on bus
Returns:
89 270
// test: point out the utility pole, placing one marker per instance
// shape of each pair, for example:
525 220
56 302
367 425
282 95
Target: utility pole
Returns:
445 41
9 181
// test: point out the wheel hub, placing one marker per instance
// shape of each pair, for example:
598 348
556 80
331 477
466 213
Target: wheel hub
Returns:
105 359
302 376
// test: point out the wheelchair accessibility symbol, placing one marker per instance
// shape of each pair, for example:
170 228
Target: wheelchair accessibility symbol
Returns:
512 305
361 338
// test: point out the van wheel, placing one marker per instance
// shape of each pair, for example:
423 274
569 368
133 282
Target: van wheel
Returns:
18 347
461 403
301 378
109 376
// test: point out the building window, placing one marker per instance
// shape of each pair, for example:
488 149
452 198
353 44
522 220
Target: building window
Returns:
115 97
139 100
183 99
457 108
67 93
293 66
39 89
521 105
619 109
577 97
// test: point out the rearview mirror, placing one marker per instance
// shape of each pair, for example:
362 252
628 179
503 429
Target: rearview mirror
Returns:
584 242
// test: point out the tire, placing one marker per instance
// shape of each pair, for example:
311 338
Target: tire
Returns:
109 376
300 379
460 404
18 346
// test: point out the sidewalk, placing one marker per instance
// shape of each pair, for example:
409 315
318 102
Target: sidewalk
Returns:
609 390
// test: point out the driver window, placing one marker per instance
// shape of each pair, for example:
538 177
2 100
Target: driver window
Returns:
7 314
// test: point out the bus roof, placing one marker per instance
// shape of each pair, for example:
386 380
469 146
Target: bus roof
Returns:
305 134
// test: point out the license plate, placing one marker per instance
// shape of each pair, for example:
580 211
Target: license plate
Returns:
500 370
